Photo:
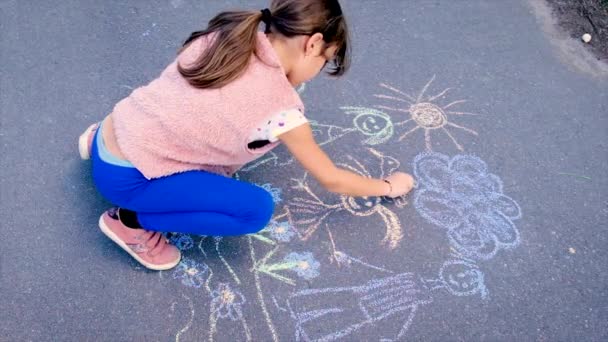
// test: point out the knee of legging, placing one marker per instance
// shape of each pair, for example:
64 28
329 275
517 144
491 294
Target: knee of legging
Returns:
261 212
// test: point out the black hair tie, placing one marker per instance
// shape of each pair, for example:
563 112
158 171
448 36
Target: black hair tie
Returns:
266 19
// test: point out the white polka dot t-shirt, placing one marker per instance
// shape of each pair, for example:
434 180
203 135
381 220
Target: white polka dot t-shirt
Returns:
269 131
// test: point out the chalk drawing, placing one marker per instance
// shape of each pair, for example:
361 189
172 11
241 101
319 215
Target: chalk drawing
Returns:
424 113
274 192
372 123
313 211
217 240
191 273
258 286
328 314
200 245
226 303
189 324
303 264
280 229
182 241
461 196
460 277
343 259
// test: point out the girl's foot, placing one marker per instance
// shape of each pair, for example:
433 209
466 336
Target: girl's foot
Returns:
150 248
85 142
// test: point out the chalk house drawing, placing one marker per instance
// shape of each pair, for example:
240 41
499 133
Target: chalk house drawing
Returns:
424 113
311 211
461 196
328 314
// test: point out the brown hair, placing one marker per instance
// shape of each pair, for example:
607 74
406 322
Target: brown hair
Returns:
229 54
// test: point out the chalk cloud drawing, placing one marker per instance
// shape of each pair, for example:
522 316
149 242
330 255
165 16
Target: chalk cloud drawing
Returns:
328 314
424 113
313 211
461 196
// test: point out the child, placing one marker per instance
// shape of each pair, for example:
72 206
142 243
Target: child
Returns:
166 154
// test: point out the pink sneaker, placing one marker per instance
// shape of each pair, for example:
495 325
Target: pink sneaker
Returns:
85 142
150 248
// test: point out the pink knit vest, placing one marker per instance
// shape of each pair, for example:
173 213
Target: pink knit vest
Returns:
168 126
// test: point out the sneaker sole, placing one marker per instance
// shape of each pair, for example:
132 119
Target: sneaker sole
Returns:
83 143
108 232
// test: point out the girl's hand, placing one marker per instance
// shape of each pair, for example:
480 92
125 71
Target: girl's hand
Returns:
400 184
301 143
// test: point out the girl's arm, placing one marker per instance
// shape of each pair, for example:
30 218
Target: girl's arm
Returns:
301 143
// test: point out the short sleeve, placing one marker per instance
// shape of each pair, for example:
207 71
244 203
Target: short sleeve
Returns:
278 124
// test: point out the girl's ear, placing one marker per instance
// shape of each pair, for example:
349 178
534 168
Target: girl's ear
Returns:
314 45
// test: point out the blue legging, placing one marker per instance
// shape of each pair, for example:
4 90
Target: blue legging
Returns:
195 202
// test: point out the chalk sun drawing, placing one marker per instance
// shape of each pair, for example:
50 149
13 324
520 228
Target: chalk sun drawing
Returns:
424 113
328 314
313 211
461 196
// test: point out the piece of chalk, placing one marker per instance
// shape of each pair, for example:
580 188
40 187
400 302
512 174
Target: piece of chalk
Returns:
586 37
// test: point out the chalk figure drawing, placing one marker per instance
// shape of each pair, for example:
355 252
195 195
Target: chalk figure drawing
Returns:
424 113
457 194
328 314
311 211
461 196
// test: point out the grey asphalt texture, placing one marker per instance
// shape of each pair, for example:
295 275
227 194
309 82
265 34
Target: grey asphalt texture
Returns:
542 129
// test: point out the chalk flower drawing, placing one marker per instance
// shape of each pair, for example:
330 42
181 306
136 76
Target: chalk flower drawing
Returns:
191 273
460 195
281 231
226 302
181 241
328 314
274 192
280 228
304 264
313 211
424 113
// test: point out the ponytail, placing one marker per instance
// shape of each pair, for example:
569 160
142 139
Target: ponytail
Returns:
229 54
236 38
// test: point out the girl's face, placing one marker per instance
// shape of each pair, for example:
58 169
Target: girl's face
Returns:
311 56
